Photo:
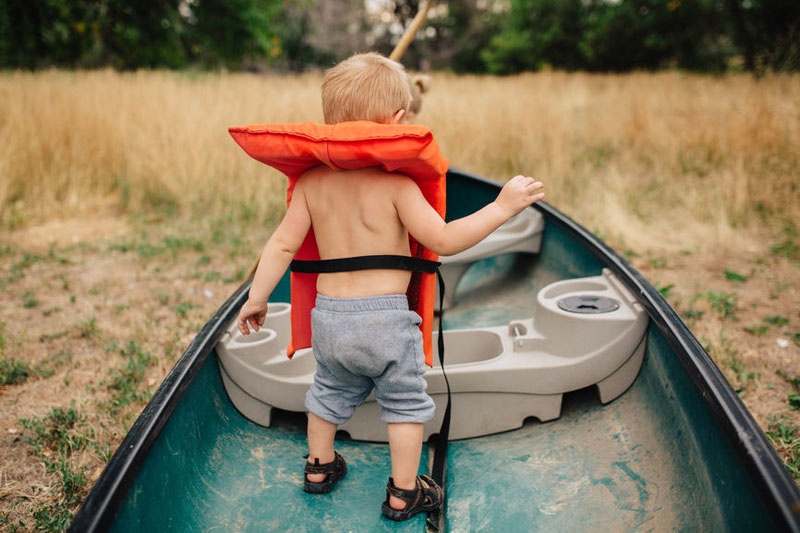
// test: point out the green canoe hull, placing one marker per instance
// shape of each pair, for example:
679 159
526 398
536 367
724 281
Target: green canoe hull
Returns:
677 451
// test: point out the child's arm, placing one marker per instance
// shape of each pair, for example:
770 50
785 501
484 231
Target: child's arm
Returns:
275 258
425 224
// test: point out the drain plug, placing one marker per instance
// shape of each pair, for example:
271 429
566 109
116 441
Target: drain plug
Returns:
588 305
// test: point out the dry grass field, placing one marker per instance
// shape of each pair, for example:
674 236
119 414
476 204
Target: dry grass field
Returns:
128 215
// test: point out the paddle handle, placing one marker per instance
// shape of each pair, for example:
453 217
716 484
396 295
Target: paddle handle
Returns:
411 32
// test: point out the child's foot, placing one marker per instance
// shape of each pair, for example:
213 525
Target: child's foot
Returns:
427 496
321 478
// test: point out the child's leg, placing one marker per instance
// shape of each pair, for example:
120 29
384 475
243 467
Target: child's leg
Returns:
405 447
321 435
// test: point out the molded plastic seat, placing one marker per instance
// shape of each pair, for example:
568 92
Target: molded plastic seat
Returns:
586 331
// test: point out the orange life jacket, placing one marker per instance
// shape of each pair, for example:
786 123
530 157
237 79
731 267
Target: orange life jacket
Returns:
409 149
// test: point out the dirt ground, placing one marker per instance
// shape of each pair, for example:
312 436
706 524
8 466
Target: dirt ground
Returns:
84 300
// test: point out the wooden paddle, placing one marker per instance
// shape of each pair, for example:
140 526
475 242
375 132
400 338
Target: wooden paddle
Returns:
411 32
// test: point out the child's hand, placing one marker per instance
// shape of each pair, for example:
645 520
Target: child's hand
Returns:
518 193
252 314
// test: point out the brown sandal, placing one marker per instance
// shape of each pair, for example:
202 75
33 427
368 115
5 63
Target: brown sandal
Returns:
335 471
427 496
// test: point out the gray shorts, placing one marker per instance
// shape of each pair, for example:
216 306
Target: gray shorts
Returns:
362 344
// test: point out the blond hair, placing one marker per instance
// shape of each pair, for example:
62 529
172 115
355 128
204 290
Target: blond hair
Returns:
365 87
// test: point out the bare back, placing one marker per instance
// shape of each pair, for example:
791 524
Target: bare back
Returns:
353 213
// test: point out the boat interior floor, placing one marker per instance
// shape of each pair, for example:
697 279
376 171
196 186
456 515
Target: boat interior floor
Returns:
619 468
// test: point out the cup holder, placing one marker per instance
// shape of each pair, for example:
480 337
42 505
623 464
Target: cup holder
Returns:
588 304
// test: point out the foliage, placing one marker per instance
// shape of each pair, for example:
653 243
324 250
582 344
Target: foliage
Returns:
125 383
494 36
784 436
722 302
538 32
232 32
683 33
126 35
42 33
608 36
13 371
767 32
55 438
463 34
293 50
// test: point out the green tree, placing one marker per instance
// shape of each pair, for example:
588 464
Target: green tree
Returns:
68 33
535 33
233 33
142 34
465 32
295 52
646 34
767 32
36 33
496 36
610 36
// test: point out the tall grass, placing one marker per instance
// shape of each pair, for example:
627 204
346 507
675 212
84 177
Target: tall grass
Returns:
648 156
668 156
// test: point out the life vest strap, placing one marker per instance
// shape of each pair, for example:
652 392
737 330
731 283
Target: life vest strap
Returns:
439 465
365 262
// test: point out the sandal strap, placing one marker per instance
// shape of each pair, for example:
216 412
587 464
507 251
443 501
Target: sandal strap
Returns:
407 495
431 489
333 472
327 468
425 488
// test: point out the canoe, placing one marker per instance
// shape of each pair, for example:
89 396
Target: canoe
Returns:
580 400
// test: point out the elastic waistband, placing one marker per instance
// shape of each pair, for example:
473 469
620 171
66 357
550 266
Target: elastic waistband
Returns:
388 302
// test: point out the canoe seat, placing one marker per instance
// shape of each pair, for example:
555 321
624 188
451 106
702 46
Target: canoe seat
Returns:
585 332
520 234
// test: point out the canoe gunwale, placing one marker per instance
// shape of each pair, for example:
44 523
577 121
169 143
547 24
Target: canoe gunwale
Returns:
760 461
